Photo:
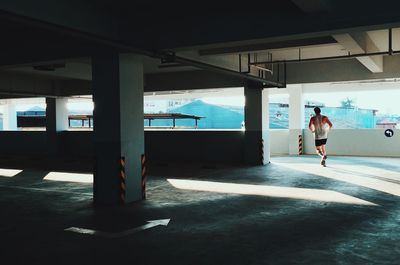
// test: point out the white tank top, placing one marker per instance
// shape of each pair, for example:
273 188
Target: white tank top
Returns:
321 129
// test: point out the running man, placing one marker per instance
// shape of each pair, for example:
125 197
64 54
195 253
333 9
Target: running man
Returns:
319 125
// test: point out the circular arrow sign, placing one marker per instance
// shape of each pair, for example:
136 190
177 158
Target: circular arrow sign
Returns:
389 133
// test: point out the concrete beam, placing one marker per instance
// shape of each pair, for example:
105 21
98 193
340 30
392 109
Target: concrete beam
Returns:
17 85
189 80
69 70
340 70
362 43
313 6
268 46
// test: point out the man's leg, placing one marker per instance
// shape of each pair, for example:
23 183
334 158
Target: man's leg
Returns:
324 157
323 150
319 151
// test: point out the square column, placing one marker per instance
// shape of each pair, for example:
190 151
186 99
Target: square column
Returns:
296 117
256 116
118 128
56 121
9 116
61 114
56 114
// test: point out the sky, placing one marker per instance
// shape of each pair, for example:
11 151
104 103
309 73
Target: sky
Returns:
231 101
385 101
75 106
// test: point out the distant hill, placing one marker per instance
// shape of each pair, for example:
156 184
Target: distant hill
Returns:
36 108
215 117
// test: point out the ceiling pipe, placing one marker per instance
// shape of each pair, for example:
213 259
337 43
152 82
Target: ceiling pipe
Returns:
263 68
26 94
214 68
324 58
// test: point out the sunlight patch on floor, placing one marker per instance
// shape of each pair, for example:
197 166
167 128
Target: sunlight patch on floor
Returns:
4 172
268 191
370 171
356 176
72 177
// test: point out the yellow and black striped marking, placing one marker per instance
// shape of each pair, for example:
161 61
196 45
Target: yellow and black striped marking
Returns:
300 144
123 179
262 151
143 160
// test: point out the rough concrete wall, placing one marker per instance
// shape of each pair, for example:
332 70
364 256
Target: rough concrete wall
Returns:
195 146
161 146
23 143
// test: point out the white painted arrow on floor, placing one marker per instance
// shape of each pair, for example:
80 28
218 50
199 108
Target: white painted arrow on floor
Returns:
150 224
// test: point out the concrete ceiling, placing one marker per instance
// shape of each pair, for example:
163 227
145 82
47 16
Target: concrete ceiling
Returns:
277 30
79 68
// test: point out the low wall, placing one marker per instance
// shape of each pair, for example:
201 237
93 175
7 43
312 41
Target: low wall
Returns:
195 146
23 143
358 142
279 141
163 146
76 143
204 146
353 142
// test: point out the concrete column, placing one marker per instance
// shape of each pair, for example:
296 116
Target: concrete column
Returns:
296 117
118 126
51 127
9 116
256 125
61 114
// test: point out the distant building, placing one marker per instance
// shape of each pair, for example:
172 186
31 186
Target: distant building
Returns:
386 125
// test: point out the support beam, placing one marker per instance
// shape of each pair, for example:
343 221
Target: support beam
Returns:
362 43
339 71
256 149
268 46
61 114
9 116
118 127
296 117
51 125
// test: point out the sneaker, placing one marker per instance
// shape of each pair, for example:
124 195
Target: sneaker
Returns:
323 163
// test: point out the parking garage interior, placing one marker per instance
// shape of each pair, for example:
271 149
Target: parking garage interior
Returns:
111 186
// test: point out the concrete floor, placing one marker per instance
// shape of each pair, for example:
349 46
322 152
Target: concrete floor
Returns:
290 212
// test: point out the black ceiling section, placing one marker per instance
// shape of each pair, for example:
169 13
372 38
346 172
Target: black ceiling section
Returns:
180 28
24 44
157 26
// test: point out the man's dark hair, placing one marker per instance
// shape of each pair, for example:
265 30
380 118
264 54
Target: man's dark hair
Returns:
317 110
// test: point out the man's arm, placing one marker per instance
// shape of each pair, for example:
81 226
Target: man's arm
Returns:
329 122
311 124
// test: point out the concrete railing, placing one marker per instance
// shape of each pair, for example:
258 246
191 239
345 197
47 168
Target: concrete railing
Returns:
353 142
206 146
